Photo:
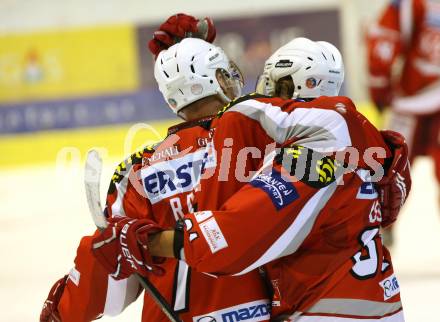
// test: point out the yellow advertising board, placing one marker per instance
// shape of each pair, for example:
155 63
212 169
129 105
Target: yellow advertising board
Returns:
68 63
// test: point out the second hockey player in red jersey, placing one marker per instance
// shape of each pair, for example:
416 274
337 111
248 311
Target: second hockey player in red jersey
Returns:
404 67
190 293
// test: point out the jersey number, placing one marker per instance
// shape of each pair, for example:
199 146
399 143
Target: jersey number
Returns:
366 261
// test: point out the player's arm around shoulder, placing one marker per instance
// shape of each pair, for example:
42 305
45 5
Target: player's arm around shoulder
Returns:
255 117
320 123
267 219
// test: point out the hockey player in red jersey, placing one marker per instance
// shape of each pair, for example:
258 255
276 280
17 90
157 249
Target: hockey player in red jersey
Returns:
318 238
192 294
89 291
408 31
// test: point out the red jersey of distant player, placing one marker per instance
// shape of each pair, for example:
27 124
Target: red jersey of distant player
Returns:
158 183
320 243
409 30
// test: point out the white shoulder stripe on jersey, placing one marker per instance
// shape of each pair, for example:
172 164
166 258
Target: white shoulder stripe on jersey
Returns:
319 129
297 232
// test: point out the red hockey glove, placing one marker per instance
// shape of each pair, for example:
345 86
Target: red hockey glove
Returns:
49 313
396 183
181 26
122 247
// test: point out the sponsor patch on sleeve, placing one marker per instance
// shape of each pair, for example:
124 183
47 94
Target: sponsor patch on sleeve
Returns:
213 235
280 191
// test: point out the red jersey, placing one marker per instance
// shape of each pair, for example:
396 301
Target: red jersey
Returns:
319 240
158 183
408 29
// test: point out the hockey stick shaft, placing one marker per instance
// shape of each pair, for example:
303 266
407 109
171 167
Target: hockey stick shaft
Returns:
92 176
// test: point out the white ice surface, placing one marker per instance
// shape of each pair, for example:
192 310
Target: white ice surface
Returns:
43 214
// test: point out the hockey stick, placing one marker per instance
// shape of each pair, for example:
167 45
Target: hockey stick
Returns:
92 176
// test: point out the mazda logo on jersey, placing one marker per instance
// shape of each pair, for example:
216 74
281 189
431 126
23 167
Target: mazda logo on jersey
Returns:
255 312
280 191
251 311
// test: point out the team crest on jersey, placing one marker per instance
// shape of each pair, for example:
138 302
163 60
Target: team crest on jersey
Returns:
311 82
326 168
308 166
280 191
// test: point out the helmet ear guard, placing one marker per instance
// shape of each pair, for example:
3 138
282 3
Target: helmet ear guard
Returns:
335 66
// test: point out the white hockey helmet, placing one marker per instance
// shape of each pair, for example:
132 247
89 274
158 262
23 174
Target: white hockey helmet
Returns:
316 69
186 72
